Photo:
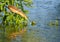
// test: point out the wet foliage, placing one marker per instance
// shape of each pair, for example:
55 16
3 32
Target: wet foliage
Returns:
12 22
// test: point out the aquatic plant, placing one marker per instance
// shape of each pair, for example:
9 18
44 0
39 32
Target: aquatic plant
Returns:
54 23
10 18
12 22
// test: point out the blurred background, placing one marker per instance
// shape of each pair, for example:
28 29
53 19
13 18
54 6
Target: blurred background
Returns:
46 14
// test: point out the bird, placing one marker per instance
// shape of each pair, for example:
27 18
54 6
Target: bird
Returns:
18 11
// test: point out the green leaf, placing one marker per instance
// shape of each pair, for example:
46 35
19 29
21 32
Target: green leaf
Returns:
26 11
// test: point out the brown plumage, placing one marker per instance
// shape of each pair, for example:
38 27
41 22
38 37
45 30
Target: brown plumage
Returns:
18 11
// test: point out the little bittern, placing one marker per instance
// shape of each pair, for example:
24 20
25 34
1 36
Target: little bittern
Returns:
18 11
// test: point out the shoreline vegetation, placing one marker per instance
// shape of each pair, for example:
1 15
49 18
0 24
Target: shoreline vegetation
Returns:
12 23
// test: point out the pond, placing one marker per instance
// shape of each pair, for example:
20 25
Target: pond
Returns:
46 14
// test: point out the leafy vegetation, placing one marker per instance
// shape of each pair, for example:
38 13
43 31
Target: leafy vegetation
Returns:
12 22
10 18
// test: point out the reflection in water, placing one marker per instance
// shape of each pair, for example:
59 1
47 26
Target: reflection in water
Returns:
30 37
45 30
